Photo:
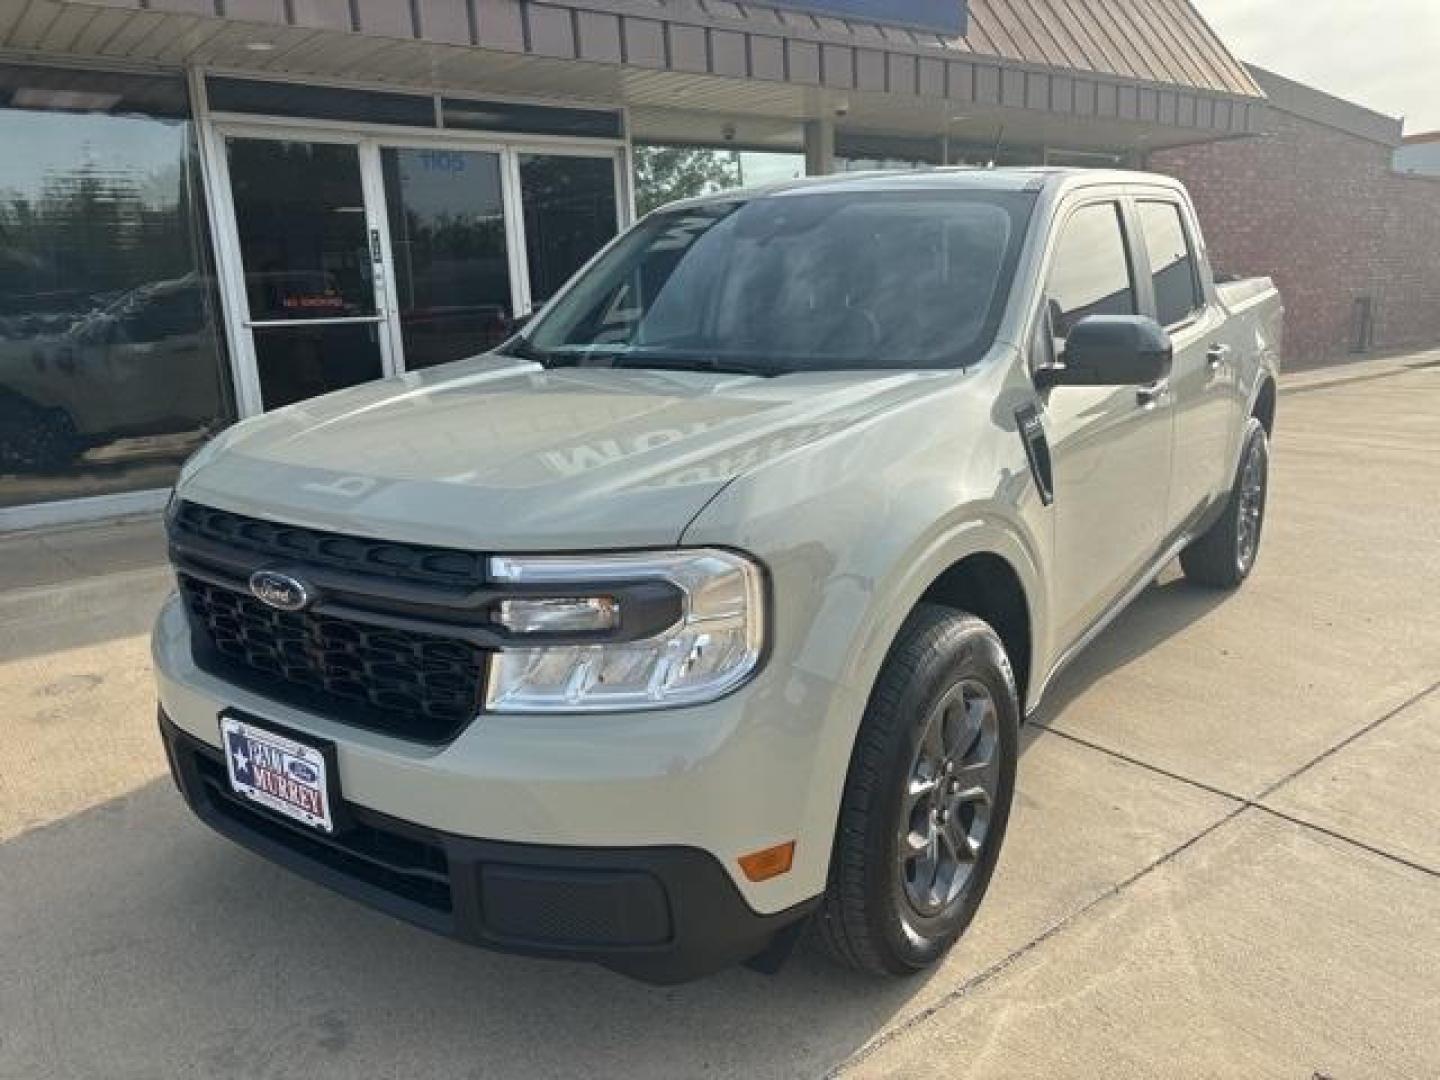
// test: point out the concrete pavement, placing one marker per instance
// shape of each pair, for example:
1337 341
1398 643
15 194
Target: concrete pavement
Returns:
1223 860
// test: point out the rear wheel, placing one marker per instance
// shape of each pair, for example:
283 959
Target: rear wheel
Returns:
927 798
1224 556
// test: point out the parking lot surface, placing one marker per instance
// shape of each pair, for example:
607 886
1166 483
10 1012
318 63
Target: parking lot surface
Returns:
1224 859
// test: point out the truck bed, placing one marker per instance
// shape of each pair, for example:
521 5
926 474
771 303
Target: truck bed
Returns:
1246 292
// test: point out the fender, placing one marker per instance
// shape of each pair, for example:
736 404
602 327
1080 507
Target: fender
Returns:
974 530
971 531
1263 376
815 522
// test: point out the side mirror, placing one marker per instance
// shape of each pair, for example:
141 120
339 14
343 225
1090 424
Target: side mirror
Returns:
1111 350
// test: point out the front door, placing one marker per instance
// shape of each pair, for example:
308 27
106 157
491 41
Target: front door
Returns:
311 268
1111 446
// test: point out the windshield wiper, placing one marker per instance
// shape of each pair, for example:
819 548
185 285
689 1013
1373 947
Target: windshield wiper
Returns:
640 359
522 349
720 364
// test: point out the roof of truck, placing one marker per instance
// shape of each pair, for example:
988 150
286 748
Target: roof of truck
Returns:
976 178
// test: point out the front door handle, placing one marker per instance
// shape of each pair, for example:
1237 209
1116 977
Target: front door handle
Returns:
1217 355
1154 394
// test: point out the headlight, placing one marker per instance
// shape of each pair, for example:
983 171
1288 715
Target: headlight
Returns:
708 650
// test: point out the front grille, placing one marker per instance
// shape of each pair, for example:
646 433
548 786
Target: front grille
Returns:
275 542
414 685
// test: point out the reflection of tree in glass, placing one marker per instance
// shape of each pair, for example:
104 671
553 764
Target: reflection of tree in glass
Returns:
666 173
570 212
89 234
455 235
450 259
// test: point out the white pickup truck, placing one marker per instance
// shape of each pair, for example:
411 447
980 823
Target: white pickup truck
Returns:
709 606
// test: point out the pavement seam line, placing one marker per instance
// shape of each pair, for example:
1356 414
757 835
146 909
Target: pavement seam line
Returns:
1337 835
1243 804
1119 755
1413 699
1254 803
981 978
114 579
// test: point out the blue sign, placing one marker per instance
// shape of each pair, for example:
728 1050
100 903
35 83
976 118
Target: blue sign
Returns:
935 16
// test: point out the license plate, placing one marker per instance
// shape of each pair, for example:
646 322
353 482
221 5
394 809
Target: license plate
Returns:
278 773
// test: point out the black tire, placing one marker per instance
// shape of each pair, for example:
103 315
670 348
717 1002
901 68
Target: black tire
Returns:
1224 555
867 920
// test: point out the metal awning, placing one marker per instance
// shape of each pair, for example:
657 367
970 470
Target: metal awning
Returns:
1146 73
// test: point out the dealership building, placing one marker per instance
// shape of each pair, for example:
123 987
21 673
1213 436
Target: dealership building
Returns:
210 208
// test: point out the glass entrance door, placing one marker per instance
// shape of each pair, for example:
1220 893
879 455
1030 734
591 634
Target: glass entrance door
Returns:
449 247
571 211
348 257
311 262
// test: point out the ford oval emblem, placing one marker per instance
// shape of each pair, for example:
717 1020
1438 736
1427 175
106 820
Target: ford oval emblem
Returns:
280 590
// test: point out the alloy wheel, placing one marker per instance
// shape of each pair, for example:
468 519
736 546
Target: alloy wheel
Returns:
1252 506
950 793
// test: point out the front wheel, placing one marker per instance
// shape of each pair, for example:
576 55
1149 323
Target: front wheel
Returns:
927 797
1224 555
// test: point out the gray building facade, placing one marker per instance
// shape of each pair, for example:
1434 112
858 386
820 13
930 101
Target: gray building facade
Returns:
209 208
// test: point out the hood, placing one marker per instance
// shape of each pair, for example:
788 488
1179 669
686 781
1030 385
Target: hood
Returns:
503 455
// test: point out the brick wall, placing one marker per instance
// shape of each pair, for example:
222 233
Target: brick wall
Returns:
1321 211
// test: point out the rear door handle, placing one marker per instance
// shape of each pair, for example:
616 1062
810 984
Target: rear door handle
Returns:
1217 355
1154 394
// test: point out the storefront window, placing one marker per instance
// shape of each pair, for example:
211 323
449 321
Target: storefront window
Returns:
665 173
111 370
570 213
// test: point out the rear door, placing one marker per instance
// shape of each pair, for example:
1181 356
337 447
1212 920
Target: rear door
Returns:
1202 379
1110 446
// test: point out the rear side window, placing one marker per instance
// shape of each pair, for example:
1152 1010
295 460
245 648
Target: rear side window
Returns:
1091 273
1172 262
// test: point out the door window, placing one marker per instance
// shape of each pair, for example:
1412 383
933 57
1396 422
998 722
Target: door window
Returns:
304 244
1172 263
305 251
447 242
1091 273
570 213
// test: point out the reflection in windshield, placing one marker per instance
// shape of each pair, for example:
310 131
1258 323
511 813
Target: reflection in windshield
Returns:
912 279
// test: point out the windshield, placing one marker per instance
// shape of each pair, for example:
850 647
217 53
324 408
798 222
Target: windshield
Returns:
796 282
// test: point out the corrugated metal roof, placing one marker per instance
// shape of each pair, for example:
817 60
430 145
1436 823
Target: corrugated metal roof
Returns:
1158 41
1136 70
1162 41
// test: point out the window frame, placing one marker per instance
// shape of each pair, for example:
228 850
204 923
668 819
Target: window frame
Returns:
1065 214
1195 314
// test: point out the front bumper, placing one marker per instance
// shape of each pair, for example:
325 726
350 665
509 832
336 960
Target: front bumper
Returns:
735 776
662 914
